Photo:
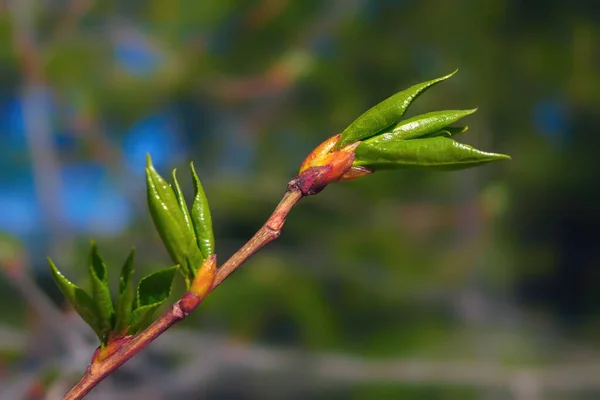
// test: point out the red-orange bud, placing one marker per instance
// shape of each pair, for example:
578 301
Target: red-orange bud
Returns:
324 166
202 283
315 157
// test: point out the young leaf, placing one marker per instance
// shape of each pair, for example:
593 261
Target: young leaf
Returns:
152 291
100 290
79 300
126 296
170 223
448 131
432 153
384 114
182 205
420 125
201 218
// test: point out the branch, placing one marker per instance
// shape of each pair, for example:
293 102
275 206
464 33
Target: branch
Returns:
129 346
269 232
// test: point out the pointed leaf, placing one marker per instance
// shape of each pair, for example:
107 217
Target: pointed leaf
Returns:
182 205
448 131
171 225
100 290
201 218
421 125
79 300
126 296
384 114
431 153
152 292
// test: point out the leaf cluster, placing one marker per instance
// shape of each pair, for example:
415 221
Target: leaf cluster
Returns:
130 311
425 141
189 240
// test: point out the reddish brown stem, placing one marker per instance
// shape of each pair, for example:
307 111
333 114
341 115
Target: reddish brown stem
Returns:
269 232
98 370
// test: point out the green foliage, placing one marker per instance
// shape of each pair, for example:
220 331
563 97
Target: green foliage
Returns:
385 114
125 298
423 141
438 152
79 299
182 206
100 291
421 125
127 314
189 240
201 218
152 292
448 131
170 215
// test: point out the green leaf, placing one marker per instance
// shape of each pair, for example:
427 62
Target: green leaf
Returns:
100 290
201 218
171 224
421 125
384 114
440 153
182 205
79 300
152 292
126 297
448 131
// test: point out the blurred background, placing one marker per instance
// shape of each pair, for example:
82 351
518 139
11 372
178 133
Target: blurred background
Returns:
479 284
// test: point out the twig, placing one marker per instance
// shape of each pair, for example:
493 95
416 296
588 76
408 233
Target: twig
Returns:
269 232
100 369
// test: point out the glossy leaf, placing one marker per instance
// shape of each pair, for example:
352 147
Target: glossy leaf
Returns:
431 153
79 300
182 204
421 125
384 114
201 218
100 290
152 292
448 131
171 225
125 297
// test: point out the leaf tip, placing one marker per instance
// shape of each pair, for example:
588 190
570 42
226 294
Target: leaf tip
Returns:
448 76
469 111
175 182
497 156
195 177
193 171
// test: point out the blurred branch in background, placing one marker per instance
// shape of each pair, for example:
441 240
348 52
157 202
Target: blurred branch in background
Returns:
213 353
208 358
35 95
